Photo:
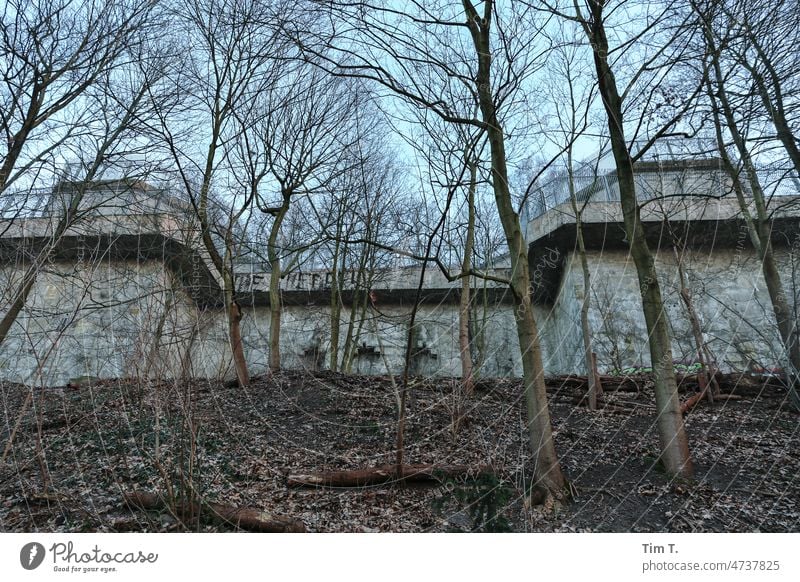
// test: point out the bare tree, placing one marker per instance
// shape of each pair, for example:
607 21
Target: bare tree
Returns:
54 52
451 157
360 219
735 117
233 56
426 53
763 40
102 141
643 77
299 142
572 99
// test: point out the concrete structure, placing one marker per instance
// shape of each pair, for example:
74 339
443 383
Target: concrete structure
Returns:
690 215
128 291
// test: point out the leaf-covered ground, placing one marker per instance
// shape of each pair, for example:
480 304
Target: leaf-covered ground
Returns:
78 450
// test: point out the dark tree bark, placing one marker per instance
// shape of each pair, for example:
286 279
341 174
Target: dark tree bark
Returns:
759 224
548 474
672 435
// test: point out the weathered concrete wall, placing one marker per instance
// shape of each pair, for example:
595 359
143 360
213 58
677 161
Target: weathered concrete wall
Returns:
129 292
132 318
728 293
110 318
305 340
720 266
85 318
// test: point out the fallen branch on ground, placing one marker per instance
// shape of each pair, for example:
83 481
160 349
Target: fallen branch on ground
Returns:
246 518
385 474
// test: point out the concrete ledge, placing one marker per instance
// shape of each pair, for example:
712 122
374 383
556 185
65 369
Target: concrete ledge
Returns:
193 271
702 223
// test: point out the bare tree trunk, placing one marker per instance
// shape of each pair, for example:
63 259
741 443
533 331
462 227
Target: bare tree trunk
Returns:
152 356
358 311
234 313
349 347
410 344
759 227
706 378
547 473
466 297
275 307
672 435
336 308
274 316
225 269
588 352
478 323
20 299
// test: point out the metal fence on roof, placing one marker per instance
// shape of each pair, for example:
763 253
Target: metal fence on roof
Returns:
654 180
106 197
24 204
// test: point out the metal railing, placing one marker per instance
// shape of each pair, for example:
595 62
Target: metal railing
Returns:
105 197
654 180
